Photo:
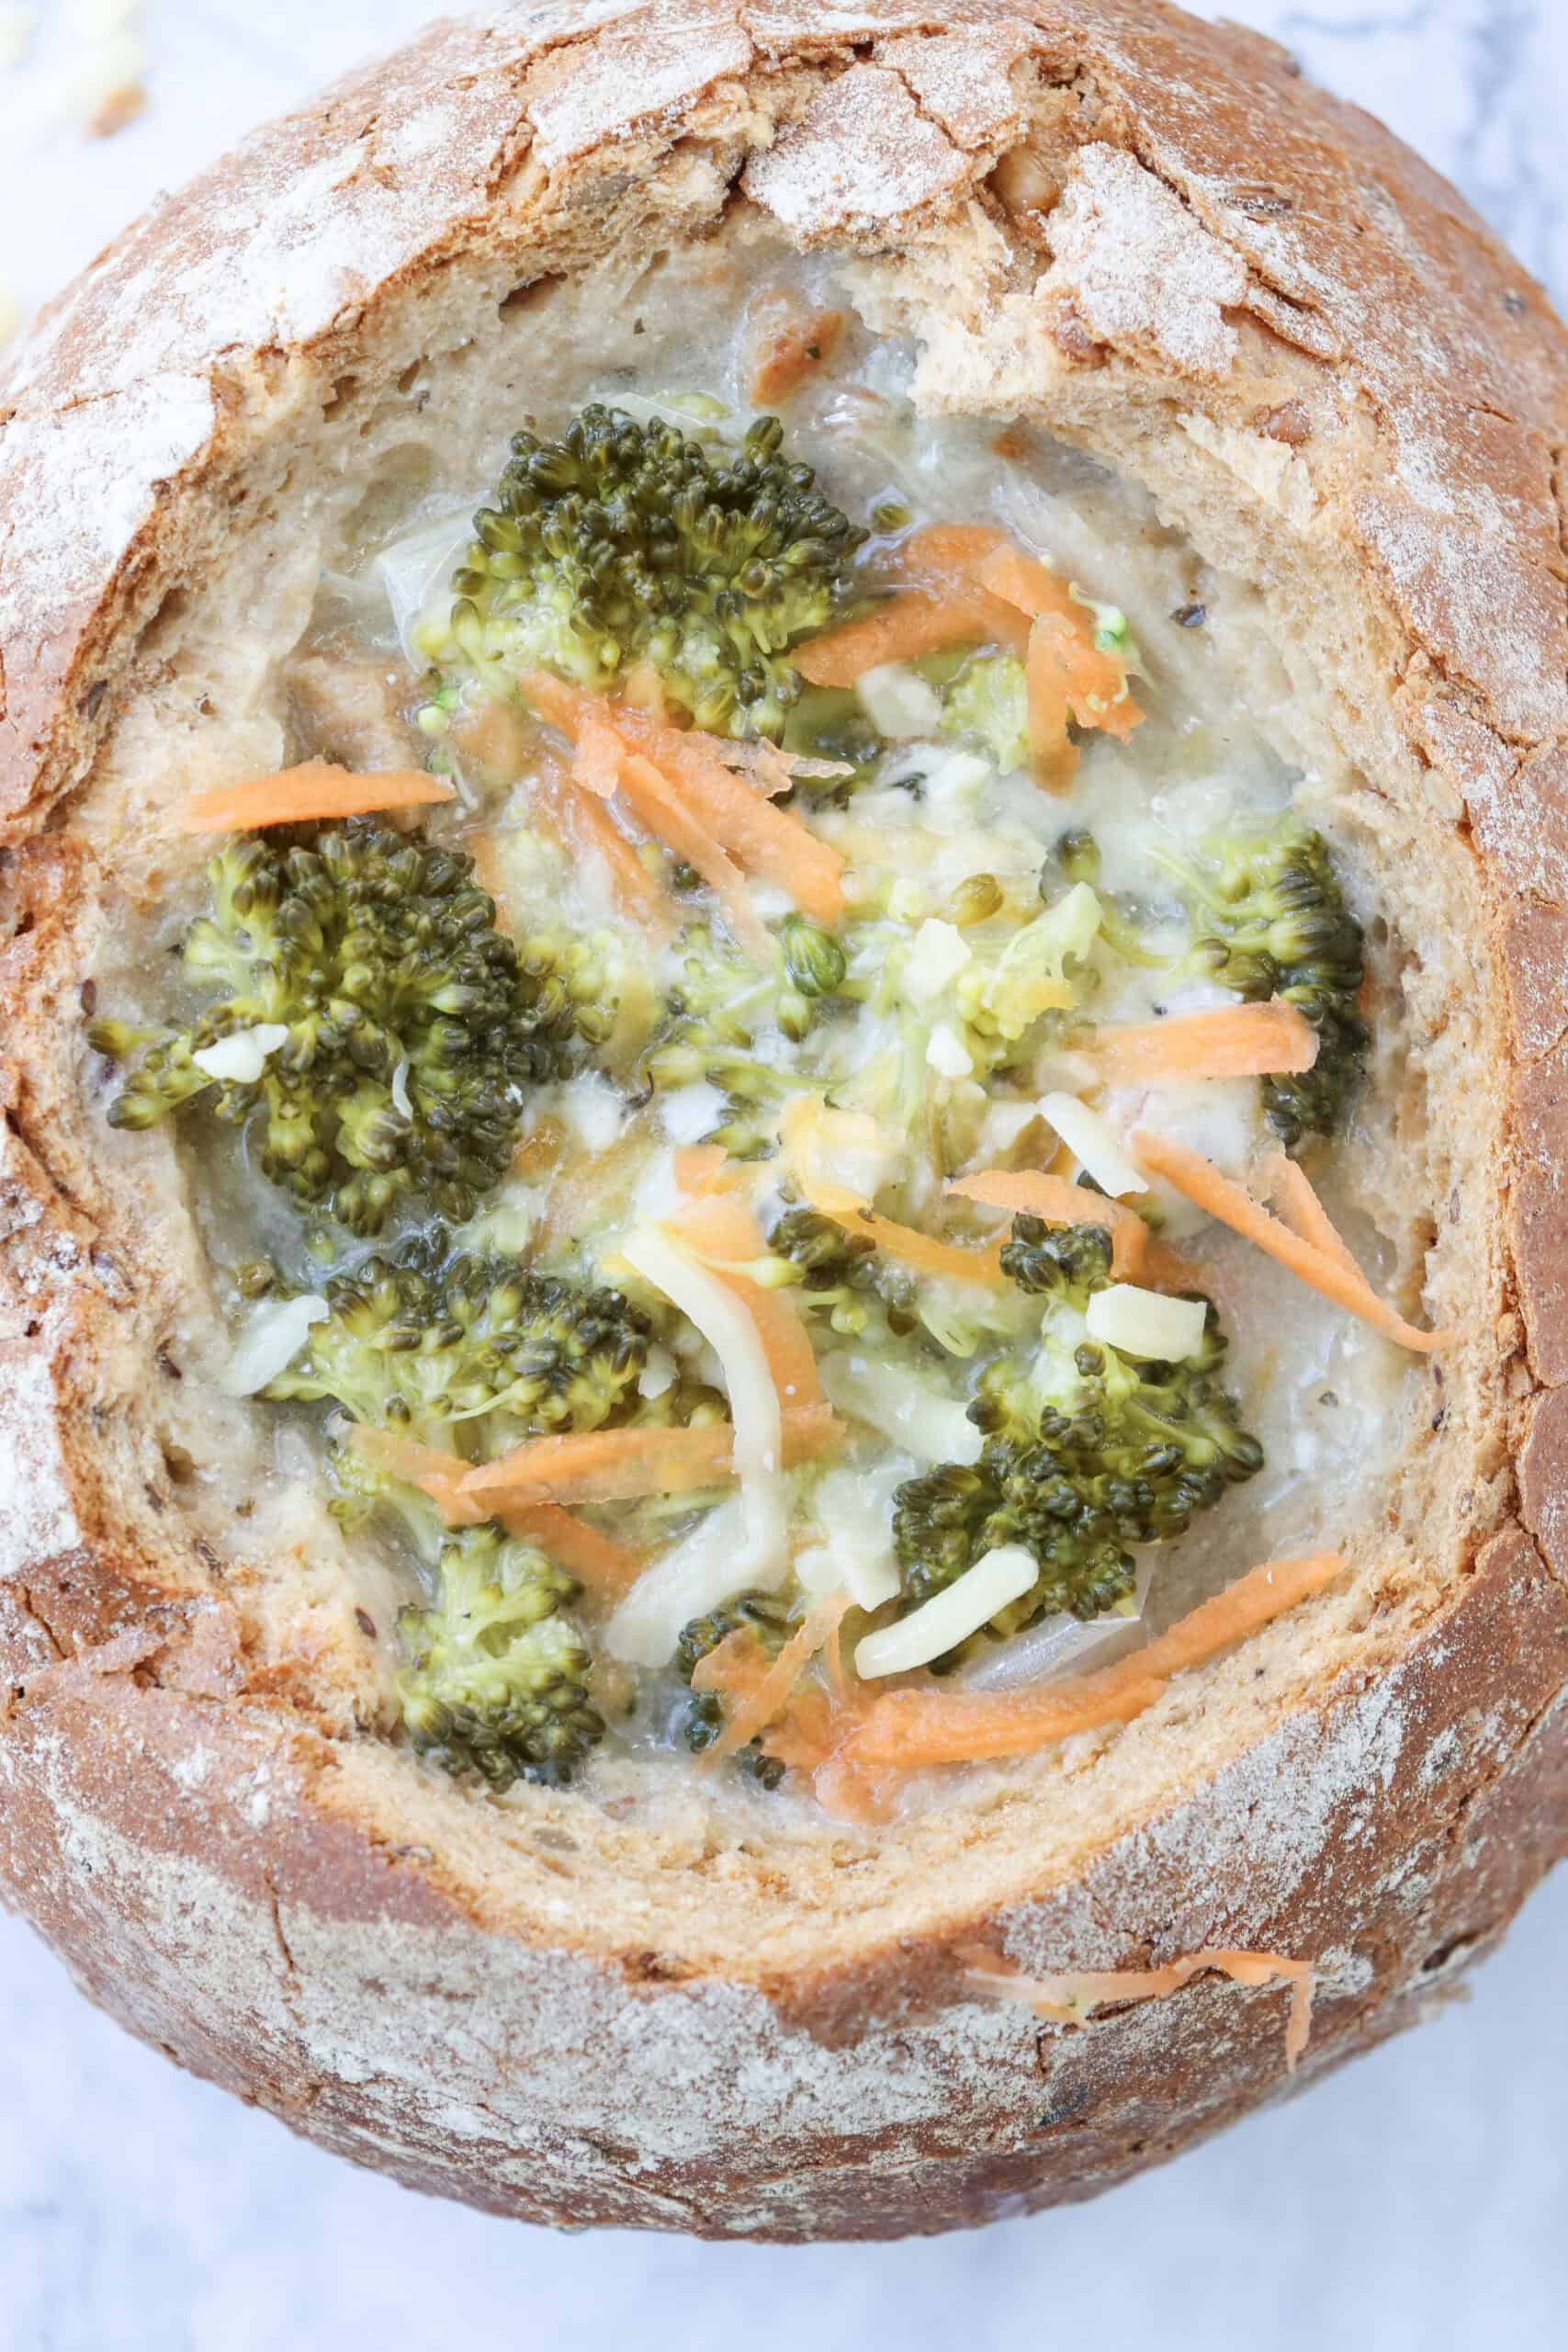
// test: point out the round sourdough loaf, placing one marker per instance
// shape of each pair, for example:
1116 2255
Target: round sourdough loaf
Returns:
1156 240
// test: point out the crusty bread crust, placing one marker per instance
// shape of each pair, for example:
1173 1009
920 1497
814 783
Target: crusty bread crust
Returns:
1155 239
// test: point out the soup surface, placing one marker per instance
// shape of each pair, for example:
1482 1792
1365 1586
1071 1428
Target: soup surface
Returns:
744 1249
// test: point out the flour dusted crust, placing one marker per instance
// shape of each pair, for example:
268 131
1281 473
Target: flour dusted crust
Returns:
1151 237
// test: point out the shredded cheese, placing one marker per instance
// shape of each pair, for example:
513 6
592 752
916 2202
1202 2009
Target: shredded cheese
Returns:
1146 1323
1090 1139
950 1617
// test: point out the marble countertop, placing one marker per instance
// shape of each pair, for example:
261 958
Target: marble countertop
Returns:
1411 2204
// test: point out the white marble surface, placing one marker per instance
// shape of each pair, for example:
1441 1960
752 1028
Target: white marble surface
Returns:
1411 2204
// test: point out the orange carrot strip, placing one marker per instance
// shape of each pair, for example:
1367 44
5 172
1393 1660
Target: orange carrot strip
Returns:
619 1465
644 689
956 550
1029 1192
1225 1041
1198 1180
700 1167
916 1728
720 1225
657 803
945 1260
597 766
601 1564
299 796
911 625
1046 673
1268 1591
772 842
440 1475
913 1729
776 1686
1068 1999
584 822
605 1565
1304 1213
1096 681
786 1342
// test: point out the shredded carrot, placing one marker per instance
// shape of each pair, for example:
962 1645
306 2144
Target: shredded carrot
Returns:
721 1226
606 1566
619 1465
1198 1180
644 689
1068 1999
1266 1592
1028 1192
913 1729
299 796
1290 1185
942 604
664 813
792 344
838 1668
786 1342
1096 681
955 550
701 1168
440 1475
601 1564
1032 585
769 841
911 624
1225 1041
597 765
1047 671
774 1690
585 823
700 809
945 1260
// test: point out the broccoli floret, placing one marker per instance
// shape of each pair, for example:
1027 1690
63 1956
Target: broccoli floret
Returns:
717 1009
988 705
1273 921
1087 1451
413 1027
497 1682
435 1345
702 1718
624 542
826 1257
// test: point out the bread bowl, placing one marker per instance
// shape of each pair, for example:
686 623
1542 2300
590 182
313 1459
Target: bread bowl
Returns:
1117 231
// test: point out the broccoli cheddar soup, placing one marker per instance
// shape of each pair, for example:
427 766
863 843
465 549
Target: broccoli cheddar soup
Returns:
781 1089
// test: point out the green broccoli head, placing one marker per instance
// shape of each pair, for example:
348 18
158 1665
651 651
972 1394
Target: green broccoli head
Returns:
497 1680
1065 1262
435 1345
408 1028
824 1256
724 1025
988 705
702 1718
623 542
1087 1452
1271 920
